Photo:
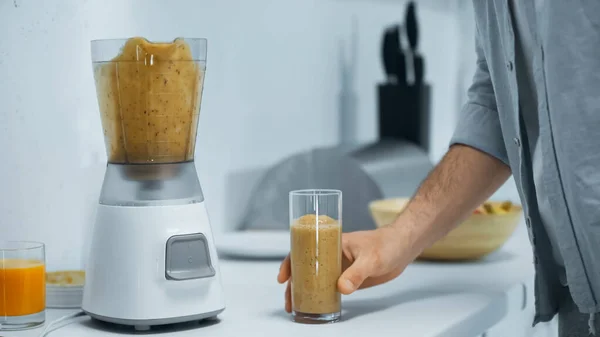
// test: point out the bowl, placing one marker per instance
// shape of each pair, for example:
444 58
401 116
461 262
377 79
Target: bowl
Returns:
64 288
481 234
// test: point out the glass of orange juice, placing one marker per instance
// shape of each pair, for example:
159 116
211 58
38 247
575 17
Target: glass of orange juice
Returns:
22 285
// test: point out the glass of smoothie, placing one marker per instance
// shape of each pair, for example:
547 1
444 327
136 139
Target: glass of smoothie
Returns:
22 285
316 255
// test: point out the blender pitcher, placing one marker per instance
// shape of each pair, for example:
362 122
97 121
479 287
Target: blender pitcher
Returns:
149 97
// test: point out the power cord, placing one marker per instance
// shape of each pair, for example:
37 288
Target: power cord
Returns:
54 324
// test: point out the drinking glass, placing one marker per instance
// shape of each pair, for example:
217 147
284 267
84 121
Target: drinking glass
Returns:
316 255
22 285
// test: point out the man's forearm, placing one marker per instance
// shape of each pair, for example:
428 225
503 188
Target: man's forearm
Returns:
464 179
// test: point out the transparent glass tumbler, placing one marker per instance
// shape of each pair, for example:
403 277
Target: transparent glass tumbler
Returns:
22 285
316 255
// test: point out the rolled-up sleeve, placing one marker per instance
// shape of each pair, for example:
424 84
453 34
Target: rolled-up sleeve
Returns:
479 123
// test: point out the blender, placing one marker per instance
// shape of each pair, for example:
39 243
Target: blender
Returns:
152 259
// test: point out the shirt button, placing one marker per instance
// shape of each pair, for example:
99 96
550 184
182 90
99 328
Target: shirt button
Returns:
517 141
509 66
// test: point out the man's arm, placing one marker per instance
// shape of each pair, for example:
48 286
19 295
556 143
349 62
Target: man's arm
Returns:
475 166
465 178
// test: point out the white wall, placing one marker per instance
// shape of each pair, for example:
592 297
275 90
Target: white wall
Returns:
270 91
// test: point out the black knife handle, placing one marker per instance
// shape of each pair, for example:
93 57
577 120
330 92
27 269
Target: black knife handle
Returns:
419 67
389 48
412 29
401 73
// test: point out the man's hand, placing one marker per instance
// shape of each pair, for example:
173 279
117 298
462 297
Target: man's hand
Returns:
369 258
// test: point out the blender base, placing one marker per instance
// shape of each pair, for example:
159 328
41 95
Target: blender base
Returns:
152 265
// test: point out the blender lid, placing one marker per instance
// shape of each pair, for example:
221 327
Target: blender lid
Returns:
328 168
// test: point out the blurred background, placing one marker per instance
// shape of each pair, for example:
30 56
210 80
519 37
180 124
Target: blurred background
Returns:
275 73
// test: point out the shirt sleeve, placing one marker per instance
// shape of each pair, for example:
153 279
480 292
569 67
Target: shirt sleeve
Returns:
479 123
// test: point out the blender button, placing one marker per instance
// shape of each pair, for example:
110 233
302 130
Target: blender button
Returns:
188 257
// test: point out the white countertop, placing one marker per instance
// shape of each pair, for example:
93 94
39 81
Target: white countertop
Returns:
428 299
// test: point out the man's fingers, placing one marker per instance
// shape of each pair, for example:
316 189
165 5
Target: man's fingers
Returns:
284 270
288 298
354 276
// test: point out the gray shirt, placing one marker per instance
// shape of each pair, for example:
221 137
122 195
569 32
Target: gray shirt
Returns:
528 102
565 76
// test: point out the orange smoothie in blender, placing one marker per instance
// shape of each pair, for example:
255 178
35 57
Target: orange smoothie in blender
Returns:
149 98
22 287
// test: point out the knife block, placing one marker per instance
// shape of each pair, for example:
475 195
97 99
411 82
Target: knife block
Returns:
404 112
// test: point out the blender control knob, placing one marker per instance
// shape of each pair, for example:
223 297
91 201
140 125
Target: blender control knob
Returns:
188 257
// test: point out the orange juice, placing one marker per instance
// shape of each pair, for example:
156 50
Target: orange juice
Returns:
22 287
